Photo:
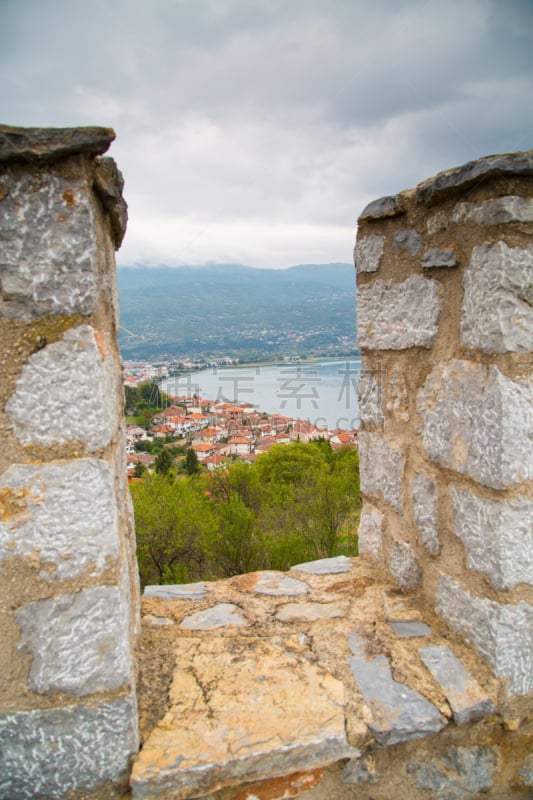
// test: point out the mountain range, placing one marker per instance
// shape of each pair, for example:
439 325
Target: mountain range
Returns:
235 310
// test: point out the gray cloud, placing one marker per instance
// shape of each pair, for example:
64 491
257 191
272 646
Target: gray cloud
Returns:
256 130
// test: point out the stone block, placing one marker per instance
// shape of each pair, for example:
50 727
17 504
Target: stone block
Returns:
525 773
241 709
325 566
49 246
309 612
270 582
221 615
182 591
398 397
409 629
369 252
503 634
50 753
497 310
496 211
396 316
424 498
370 534
478 422
381 208
52 144
64 512
381 469
498 536
404 566
399 713
79 643
467 699
448 182
439 257
408 241
370 398
68 392
459 773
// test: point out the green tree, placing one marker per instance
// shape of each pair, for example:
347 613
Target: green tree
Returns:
139 470
191 462
173 523
163 463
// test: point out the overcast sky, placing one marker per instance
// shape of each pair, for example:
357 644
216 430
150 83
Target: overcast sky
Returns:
255 131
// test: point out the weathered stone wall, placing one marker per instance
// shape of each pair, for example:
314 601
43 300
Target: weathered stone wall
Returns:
69 597
445 324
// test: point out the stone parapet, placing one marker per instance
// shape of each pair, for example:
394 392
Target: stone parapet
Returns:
69 596
323 681
445 325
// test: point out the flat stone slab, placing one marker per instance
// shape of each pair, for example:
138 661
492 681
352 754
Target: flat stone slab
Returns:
400 713
310 612
325 566
241 709
467 699
409 628
177 591
271 583
219 616
49 144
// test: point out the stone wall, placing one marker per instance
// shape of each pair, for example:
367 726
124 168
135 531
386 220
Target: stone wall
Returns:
445 324
69 597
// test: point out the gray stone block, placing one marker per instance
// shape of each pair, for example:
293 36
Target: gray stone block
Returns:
381 208
398 397
409 629
49 247
459 773
370 398
478 422
445 183
525 773
396 316
325 566
51 144
498 536
65 513
219 616
467 699
381 469
49 753
368 253
68 392
370 534
404 566
503 634
496 211
109 183
497 310
439 257
408 241
79 643
182 591
399 713
277 584
424 498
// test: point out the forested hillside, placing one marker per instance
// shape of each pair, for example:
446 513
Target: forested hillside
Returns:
251 314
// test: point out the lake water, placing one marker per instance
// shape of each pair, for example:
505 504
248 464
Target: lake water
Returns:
324 392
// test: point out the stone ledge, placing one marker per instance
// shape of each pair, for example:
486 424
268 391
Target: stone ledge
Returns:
448 182
52 144
296 689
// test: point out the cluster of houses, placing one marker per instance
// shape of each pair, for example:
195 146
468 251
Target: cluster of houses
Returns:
219 432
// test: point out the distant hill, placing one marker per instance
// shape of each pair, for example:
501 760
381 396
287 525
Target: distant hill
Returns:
231 309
